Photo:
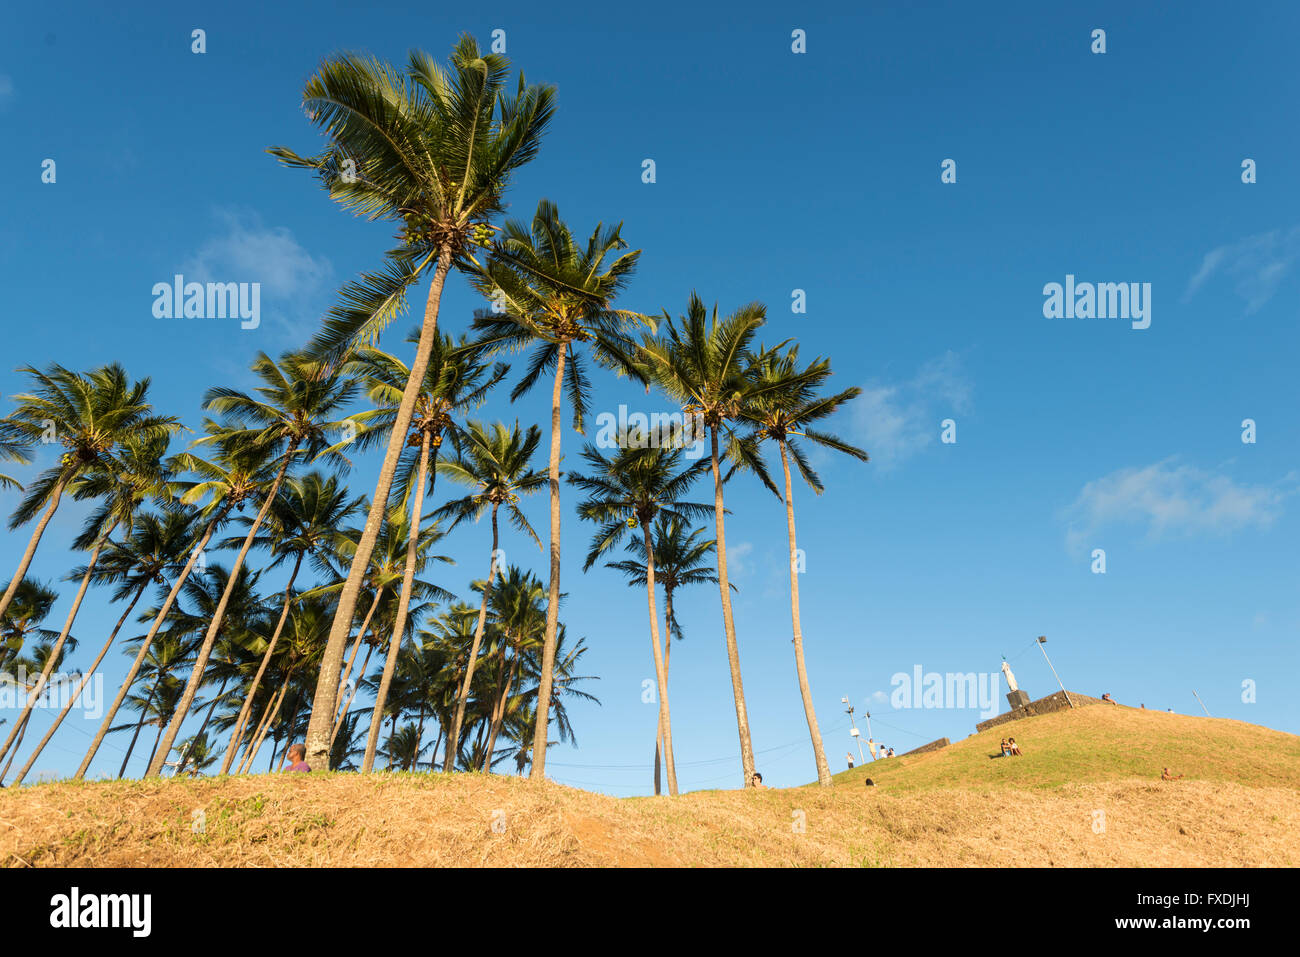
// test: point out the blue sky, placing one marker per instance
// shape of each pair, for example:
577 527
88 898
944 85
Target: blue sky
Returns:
777 171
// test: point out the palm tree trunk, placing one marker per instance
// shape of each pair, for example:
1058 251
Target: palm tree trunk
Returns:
161 724
218 617
145 645
823 769
325 700
139 724
35 540
85 679
403 604
238 732
668 652
22 731
211 708
288 733
499 717
352 660
352 697
728 623
661 673
463 696
266 726
56 652
257 730
547 677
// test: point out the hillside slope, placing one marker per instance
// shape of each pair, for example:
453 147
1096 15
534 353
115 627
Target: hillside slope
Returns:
1238 806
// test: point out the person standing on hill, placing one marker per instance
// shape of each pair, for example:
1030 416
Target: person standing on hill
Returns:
849 755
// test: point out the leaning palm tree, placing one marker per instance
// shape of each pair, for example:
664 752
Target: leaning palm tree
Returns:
629 488
139 477
680 559
93 416
498 466
433 150
782 410
292 412
237 472
124 472
555 294
304 523
454 382
699 363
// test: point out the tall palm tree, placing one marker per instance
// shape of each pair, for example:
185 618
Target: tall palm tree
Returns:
782 411
293 411
454 382
93 416
631 488
498 466
699 362
433 150
555 294
238 471
680 559
304 522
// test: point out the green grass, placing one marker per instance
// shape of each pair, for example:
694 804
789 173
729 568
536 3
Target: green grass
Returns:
1098 743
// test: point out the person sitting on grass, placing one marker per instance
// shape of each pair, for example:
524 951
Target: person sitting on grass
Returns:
1004 749
1166 776
298 758
1015 748
870 783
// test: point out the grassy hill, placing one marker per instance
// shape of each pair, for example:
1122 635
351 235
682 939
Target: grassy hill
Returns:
1239 805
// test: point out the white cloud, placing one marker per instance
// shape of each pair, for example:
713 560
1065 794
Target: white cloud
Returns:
879 697
893 422
738 559
1172 499
251 252
1257 264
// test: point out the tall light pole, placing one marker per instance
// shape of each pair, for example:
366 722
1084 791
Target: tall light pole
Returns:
1042 640
1202 704
856 734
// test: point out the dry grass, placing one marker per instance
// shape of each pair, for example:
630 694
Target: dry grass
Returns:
940 809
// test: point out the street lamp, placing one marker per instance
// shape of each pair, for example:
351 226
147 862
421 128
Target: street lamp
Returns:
857 735
1042 640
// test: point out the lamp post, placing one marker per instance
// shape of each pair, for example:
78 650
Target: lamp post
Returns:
855 733
1042 640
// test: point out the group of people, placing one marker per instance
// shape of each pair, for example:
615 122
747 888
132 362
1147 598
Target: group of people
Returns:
878 752
1009 748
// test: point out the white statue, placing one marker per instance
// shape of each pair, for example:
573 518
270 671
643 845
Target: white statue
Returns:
1011 679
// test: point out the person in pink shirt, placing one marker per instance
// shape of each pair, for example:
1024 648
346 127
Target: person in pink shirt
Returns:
297 758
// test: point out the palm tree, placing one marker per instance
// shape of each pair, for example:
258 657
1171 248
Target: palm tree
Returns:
556 294
165 654
31 605
631 488
126 490
293 411
454 382
12 449
701 365
304 523
434 150
680 559
194 756
782 410
235 473
520 616
93 416
498 466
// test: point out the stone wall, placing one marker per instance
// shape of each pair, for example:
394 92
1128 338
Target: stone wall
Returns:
932 746
1053 702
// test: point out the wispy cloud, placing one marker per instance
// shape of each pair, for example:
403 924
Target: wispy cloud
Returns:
1171 499
738 564
894 422
246 250
1256 264
6 89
